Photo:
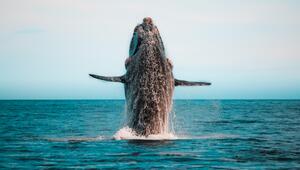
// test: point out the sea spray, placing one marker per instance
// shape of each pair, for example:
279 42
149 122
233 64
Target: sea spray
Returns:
127 133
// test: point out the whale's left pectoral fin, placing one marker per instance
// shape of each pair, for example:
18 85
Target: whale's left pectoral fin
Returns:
120 79
190 83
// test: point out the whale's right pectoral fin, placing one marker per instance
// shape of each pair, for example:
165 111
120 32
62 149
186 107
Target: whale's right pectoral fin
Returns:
190 83
120 79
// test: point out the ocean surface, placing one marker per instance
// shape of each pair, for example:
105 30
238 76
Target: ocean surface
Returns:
91 134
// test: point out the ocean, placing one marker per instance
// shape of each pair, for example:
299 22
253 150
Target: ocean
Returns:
92 134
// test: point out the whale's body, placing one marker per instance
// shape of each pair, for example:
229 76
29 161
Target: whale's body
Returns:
148 82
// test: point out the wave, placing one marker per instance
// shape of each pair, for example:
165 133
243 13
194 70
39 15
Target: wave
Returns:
77 139
215 136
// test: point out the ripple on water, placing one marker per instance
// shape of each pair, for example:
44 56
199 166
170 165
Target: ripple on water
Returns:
90 135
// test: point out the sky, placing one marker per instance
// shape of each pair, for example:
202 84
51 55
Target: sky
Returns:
247 49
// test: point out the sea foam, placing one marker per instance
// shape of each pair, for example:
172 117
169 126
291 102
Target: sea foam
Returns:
127 133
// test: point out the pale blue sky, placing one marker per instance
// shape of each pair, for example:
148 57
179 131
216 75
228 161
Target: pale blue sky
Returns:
247 49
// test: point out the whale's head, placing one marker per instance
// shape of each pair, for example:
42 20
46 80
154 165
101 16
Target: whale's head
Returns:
146 53
146 36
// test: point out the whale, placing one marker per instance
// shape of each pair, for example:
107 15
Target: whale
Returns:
148 82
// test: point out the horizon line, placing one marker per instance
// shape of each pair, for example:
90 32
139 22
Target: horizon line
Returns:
173 99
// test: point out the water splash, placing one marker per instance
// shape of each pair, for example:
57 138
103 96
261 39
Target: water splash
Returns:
127 133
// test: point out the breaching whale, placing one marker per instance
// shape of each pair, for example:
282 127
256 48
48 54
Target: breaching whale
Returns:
148 81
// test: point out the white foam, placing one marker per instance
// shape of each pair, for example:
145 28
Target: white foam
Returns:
127 133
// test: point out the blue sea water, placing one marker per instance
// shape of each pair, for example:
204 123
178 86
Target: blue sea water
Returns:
219 134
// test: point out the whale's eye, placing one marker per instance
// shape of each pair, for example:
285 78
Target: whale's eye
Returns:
133 44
